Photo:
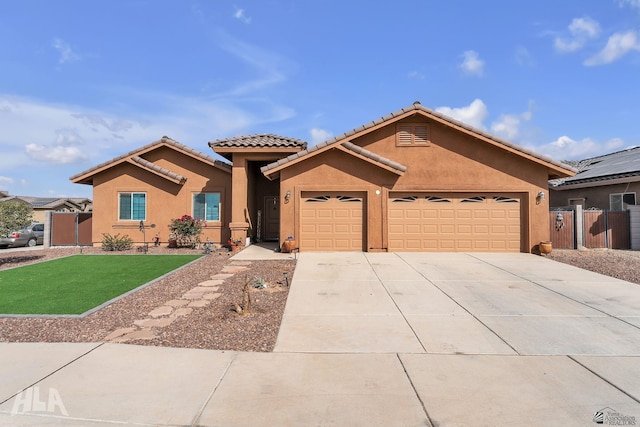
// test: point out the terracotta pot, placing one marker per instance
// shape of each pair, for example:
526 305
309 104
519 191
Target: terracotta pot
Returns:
545 247
289 245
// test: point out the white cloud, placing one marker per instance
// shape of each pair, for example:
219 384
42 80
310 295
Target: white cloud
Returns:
415 75
65 51
63 134
508 125
55 153
565 148
319 135
618 45
582 30
472 64
630 3
271 67
6 180
524 57
240 15
474 114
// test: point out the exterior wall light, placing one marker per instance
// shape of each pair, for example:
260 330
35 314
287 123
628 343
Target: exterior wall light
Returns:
287 196
541 195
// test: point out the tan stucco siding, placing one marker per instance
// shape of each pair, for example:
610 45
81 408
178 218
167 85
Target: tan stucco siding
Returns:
451 162
165 199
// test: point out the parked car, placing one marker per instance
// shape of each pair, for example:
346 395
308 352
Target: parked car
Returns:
29 236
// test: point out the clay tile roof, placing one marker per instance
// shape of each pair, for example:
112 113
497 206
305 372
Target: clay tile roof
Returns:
163 140
259 140
375 157
416 106
158 169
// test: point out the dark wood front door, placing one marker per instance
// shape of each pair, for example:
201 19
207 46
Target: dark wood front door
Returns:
271 218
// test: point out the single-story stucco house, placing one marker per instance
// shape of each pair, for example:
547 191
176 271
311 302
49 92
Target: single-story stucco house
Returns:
610 181
414 180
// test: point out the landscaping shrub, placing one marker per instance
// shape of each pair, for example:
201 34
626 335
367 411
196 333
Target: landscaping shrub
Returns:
116 243
186 230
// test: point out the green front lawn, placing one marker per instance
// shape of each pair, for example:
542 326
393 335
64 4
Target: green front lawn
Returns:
78 283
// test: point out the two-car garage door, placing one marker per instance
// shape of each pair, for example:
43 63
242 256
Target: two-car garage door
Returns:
448 222
454 222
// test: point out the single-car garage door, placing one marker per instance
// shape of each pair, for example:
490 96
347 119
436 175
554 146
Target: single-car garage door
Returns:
454 222
331 221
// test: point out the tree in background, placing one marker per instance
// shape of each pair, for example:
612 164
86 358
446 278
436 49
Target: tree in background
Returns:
14 216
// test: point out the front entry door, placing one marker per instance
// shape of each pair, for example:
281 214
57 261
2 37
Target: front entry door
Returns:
271 218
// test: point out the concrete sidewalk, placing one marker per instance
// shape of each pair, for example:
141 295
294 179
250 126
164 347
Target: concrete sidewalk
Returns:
370 339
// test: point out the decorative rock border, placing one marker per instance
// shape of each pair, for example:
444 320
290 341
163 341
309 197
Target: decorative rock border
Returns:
200 295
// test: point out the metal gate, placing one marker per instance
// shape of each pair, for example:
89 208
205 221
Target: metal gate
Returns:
71 229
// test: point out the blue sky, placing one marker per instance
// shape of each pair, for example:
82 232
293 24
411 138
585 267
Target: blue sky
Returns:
83 81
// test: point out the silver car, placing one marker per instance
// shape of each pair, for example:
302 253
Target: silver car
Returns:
29 236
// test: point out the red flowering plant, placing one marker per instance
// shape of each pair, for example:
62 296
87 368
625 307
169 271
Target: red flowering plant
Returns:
186 230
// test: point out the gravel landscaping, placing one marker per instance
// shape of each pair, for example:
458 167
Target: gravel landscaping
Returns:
620 264
217 325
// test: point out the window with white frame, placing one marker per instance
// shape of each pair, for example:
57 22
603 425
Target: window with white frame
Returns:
132 206
620 201
206 206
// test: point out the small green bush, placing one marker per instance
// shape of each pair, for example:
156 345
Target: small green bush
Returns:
116 243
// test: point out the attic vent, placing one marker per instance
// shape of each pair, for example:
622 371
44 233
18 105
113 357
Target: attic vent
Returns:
409 135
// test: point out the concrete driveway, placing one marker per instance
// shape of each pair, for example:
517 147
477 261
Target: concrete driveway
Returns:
457 303
370 339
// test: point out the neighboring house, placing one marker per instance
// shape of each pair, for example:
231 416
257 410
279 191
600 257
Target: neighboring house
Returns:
42 205
609 182
414 180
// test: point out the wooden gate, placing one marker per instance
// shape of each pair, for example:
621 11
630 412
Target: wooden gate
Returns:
618 230
71 229
562 230
595 229
601 229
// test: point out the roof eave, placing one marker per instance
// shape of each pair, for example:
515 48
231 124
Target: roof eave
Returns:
597 183
157 170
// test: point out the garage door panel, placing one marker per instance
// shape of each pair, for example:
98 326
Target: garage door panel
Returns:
452 222
332 221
